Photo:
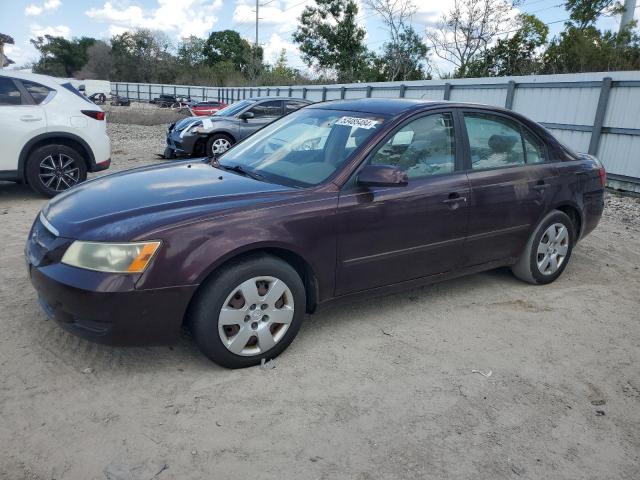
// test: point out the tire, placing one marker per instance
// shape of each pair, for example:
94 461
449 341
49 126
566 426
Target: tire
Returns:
169 153
537 264
218 140
246 336
54 158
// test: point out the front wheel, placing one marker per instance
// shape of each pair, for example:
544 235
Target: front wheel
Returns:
548 250
248 311
52 169
218 144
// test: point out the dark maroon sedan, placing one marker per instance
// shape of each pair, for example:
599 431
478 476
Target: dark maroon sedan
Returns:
333 201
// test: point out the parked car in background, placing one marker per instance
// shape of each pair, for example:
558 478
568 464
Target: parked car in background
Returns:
165 101
202 109
120 101
98 98
51 134
332 202
214 135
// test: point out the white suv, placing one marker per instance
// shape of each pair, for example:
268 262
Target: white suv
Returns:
51 135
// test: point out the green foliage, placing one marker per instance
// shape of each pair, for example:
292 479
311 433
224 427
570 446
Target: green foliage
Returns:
330 39
515 55
143 56
59 56
229 46
405 58
191 52
585 13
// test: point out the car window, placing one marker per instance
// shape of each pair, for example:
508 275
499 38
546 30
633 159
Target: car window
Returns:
494 141
235 108
75 91
38 92
293 105
423 147
271 108
9 93
534 150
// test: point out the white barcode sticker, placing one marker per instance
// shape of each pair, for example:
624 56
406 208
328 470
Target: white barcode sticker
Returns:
207 124
357 122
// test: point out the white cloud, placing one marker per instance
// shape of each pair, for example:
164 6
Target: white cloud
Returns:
55 31
34 10
274 46
179 17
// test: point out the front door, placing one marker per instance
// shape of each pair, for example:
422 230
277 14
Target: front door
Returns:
388 235
508 192
264 112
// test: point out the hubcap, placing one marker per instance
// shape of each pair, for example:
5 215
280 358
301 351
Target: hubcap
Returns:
58 172
220 145
255 316
552 249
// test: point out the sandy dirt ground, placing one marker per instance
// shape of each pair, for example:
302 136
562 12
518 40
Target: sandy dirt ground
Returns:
381 389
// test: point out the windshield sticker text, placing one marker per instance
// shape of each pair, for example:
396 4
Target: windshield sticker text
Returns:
366 123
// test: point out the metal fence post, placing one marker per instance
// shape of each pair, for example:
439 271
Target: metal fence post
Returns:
403 89
343 92
150 97
447 91
138 87
369 89
291 91
511 91
601 111
324 94
304 92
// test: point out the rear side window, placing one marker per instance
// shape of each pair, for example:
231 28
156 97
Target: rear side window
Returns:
38 92
75 91
534 150
267 109
494 141
9 93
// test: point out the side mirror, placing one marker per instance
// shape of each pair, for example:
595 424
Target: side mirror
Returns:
382 176
246 115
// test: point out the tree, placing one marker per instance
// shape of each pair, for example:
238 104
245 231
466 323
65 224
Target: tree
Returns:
468 30
59 56
191 51
516 55
581 47
143 56
404 55
99 64
228 45
330 39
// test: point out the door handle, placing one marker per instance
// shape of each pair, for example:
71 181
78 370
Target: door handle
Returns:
454 199
30 118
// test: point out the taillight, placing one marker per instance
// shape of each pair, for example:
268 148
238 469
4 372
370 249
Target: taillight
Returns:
97 115
603 176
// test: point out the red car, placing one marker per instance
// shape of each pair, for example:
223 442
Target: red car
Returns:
203 109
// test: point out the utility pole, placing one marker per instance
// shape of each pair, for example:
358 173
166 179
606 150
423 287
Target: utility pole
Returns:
257 16
627 15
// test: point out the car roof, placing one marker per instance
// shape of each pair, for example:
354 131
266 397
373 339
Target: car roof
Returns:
256 99
45 80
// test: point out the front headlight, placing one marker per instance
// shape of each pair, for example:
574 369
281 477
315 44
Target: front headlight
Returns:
195 127
111 257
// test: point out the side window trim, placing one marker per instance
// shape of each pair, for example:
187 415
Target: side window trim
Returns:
25 97
457 159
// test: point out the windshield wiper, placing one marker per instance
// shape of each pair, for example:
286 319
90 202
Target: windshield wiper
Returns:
241 170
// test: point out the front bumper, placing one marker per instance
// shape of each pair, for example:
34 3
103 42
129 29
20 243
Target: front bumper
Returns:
121 316
102 307
181 145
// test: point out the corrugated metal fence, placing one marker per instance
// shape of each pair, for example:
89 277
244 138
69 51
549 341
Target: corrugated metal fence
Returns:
598 113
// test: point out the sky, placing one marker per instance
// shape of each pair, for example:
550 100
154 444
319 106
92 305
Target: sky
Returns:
179 18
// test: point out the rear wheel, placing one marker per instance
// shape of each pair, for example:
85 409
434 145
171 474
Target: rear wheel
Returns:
52 169
218 144
548 250
249 311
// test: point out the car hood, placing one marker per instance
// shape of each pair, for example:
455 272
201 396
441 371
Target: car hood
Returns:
131 204
185 122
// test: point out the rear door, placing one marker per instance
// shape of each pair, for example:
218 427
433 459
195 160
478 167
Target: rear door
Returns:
264 113
388 235
20 120
508 196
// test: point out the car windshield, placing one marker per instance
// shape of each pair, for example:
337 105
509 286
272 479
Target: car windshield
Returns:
303 148
231 110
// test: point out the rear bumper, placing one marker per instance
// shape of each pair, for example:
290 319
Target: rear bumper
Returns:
593 208
108 309
98 167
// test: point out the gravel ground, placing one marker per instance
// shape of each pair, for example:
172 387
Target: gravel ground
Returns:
380 389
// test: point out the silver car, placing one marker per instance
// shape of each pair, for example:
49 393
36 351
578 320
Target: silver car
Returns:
213 135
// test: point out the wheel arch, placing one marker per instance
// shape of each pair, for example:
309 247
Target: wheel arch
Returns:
62 138
574 212
285 253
